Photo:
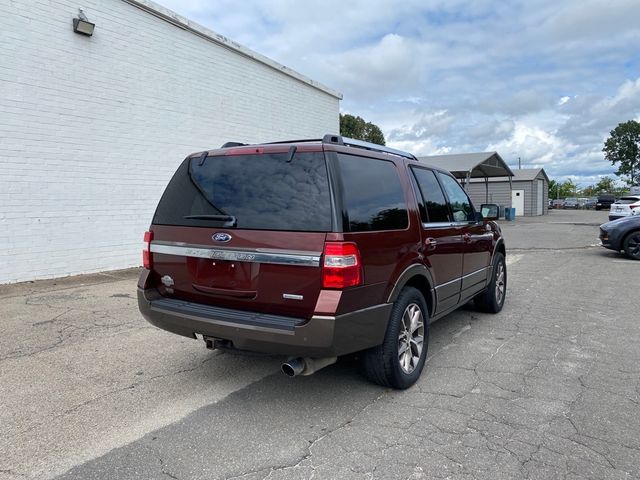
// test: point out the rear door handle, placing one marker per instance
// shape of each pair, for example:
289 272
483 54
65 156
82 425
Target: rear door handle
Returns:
466 237
431 243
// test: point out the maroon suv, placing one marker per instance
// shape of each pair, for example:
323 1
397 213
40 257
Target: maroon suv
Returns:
316 249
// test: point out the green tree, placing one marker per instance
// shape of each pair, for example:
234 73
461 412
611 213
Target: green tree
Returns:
568 188
622 149
553 189
358 128
605 185
562 190
588 191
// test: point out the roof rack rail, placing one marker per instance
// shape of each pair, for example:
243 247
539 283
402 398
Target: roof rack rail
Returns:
352 142
337 140
302 140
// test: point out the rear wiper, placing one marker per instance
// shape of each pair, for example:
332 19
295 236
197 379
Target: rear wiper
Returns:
229 220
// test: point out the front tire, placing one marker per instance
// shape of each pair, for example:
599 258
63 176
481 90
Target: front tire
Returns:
492 300
398 362
631 245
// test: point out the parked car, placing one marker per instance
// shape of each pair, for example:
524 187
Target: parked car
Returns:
558 203
316 249
622 235
624 207
571 203
604 201
591 202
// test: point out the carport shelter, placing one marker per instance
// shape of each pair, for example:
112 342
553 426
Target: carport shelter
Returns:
468 166
527 191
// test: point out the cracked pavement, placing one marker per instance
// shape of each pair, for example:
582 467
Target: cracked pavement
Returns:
549 388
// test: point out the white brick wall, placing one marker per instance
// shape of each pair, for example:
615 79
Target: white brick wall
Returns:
91 129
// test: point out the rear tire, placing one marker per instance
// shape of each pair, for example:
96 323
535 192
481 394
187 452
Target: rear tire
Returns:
631 245
492 299
398 362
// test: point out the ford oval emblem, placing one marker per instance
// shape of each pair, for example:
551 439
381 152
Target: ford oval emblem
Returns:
221 237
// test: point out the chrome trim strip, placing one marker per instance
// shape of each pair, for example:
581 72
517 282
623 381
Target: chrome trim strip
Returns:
257 255
437 224
463 277
449 283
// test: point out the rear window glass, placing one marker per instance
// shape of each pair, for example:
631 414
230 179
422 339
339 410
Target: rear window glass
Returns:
628 200
373 196
262 192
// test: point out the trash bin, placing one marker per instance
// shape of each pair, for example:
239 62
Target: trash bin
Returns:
510 214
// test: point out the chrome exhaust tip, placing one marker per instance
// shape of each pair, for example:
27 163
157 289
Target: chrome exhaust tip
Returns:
305 366
293 367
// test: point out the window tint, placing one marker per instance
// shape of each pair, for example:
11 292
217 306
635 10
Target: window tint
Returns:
628 200
263 192
373 196
435 205
460 205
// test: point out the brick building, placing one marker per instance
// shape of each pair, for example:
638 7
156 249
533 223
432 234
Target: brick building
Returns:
92 127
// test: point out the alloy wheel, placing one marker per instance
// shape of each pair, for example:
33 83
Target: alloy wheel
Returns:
411 338
500 282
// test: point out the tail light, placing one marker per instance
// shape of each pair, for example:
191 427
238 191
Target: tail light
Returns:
634 205
342 267
147 259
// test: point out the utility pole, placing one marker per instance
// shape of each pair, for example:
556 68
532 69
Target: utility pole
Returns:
519 164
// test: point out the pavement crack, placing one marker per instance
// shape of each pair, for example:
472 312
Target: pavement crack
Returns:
308 453
115 391
52 320
164 471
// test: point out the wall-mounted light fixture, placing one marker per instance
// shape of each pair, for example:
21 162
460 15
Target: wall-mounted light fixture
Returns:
82 25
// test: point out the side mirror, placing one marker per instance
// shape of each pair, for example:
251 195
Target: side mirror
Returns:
490 211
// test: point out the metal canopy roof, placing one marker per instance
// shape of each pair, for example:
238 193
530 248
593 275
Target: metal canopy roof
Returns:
520 175
471 165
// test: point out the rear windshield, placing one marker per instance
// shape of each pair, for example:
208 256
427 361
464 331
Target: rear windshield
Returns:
628 200
262 192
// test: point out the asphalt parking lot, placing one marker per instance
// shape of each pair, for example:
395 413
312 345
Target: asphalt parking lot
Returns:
549 388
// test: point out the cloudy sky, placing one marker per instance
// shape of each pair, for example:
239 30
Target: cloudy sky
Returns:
543 80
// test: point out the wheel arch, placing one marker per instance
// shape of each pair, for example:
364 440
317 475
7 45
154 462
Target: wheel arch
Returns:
499 247
416 276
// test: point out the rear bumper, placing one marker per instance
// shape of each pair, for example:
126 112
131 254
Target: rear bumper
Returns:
321 336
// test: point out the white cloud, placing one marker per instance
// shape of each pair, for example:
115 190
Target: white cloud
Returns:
543 79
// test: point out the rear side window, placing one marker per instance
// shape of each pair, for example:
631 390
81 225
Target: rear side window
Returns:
263 192
435 205
372 195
